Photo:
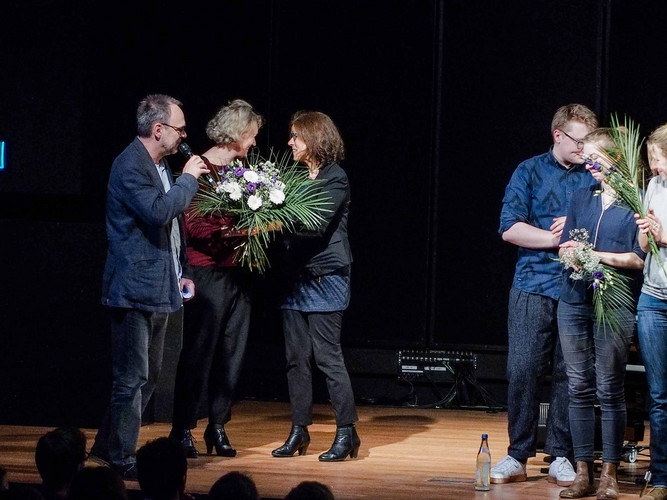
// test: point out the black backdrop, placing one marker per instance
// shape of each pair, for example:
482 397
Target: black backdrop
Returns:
437 100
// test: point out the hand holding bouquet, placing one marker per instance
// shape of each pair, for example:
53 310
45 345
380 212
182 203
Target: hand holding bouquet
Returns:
611 289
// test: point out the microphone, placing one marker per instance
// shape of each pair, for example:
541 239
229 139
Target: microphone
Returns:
186 151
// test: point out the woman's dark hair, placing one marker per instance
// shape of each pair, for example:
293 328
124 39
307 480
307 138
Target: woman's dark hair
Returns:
318 131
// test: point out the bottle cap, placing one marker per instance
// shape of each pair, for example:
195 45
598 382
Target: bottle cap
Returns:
484 436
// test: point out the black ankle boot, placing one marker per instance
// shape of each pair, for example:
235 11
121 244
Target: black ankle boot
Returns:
345 443
298 440
216 437
184 437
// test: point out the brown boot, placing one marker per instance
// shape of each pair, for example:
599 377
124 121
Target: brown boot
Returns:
608 489
582 486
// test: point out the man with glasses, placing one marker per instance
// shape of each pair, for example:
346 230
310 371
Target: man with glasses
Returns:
532 218
143 278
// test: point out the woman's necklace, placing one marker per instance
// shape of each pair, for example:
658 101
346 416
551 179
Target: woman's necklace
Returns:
312 172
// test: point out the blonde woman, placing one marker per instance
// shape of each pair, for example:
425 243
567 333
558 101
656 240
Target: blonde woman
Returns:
652 310
595 357
217 320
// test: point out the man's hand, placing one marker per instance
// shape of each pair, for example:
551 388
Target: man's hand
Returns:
195 166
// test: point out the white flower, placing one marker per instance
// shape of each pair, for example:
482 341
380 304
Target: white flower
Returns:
251 176
276 196
235 194
233 188
279 185
254 202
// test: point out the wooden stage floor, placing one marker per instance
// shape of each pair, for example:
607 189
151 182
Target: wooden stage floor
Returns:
405 454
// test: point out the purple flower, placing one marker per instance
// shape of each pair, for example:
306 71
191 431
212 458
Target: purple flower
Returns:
596 166
612 169
252 187
595 285
238 171
598 275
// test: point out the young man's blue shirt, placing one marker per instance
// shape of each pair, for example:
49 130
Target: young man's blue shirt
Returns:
540 190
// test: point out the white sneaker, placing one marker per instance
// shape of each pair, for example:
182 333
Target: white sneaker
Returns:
561 472
508 470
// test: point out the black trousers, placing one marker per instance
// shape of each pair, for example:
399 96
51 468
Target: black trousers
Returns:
215 334
316 337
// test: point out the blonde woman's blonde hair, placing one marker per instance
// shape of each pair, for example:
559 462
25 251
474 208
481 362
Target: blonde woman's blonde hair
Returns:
658 138
232 121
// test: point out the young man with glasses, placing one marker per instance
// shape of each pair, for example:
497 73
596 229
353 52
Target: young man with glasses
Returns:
532 218
143 278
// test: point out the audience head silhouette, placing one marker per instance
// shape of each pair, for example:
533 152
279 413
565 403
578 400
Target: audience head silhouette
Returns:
162 469
59 455
310 490
97 483
233 486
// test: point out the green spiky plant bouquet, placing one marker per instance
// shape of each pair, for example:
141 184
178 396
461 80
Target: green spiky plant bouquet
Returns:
265 195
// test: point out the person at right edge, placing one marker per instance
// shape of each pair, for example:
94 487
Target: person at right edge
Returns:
532 218
652 310
317 283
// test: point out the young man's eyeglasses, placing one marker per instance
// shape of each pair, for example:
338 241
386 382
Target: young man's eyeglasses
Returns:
580 143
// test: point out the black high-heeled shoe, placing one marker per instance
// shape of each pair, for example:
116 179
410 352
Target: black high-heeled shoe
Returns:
216 438
345 443
298 440
187 442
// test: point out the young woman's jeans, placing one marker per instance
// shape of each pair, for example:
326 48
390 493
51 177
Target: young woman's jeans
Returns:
595 360
652 315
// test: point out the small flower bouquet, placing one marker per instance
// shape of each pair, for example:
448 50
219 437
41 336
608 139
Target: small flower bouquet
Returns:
611 289
265 195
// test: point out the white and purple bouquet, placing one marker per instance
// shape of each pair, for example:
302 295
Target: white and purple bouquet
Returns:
265 195
611 289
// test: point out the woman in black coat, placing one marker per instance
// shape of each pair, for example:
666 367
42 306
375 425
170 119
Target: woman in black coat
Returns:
318 291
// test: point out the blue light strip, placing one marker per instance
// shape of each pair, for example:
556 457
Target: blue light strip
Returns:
2 155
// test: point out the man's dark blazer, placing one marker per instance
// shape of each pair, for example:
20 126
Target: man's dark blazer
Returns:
139 271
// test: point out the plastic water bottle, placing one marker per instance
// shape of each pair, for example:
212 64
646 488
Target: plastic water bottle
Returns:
483 465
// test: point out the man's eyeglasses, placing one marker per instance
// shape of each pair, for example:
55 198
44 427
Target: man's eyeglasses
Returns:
580 143
179 130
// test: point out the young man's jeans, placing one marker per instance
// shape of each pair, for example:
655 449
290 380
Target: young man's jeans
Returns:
652 314
534 352
137 339
595 358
